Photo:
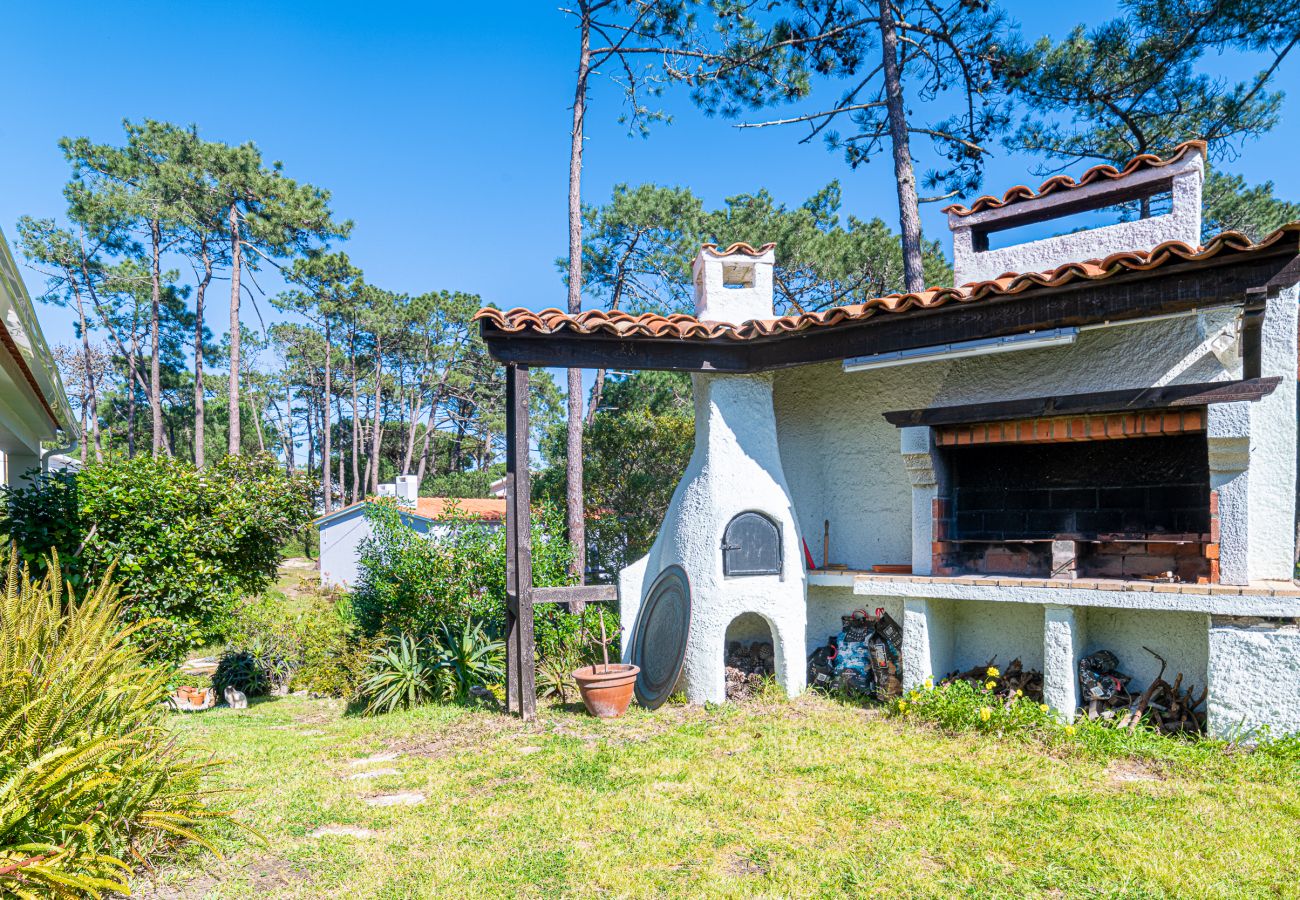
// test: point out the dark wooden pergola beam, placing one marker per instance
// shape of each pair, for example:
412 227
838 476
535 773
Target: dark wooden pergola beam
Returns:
521 692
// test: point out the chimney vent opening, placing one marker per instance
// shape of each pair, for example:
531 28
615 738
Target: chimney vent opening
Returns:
738 275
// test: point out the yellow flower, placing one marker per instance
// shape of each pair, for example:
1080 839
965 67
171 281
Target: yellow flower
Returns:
1019 692
902 707
992 672
1044 707
913 696
990 685
1069 729
985 713
929 682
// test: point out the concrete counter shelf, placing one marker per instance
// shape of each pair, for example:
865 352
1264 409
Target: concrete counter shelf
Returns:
1233 638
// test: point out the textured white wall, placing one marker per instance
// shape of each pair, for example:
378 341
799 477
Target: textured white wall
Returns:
1273 448
340 544
843 461
1255 676
1181 638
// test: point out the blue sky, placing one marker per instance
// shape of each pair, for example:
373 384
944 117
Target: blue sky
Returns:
441 129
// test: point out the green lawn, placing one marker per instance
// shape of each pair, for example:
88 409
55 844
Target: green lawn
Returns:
811 798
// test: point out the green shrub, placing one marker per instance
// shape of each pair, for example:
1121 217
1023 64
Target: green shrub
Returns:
186 542
91 779
333 655
411 583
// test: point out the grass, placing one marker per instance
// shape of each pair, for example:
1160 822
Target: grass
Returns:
812 798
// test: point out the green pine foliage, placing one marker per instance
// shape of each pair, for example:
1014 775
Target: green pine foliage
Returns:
186 542
92 781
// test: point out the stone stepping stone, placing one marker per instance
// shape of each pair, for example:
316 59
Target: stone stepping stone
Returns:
405 798
342 831
377 758
373 773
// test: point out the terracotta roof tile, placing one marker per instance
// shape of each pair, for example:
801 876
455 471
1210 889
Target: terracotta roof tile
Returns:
491 509
652 326
738 247
1057 183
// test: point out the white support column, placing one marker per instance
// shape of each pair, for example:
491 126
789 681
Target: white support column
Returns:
1064 634
927 641
21 468
917 446
1228 441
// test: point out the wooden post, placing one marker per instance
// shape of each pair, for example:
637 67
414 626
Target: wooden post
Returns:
521 693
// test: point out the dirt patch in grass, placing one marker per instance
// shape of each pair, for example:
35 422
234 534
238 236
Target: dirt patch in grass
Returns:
267 875
1122 772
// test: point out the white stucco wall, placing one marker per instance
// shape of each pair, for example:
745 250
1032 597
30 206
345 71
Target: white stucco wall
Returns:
1254 667
843 461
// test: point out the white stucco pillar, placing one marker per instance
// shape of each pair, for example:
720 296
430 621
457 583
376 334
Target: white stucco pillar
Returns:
1228 442
927 640
917 446
1063 639
1254 677
1273 447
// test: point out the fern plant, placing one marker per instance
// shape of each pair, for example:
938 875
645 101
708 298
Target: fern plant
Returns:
91 779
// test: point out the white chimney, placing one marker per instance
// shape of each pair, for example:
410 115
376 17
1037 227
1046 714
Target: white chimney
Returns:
1180 176
388 490
733 285
408 490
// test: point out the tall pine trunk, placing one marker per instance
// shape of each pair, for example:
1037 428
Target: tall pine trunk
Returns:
130 394
326 450
155 305
573 492
909 214
376 434
90 390
357 487
236 263
199 412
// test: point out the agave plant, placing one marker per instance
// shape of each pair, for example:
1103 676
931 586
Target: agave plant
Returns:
402 676
467 658
90 776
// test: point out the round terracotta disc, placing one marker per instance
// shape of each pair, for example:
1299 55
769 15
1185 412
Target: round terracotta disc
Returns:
659 641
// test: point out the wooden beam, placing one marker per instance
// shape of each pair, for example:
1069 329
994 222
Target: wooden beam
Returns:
577 593
1172 288
521 692
1167 397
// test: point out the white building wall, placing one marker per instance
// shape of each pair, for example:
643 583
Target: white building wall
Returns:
340 544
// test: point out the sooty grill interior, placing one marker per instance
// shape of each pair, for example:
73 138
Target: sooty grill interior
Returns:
1136 508
1140 486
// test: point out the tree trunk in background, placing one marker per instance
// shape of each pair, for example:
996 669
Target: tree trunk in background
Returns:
236 263
597 390
376 435
357 487
155 349
130 393
573 463
200 423
89 387
909 215
326 486
338 415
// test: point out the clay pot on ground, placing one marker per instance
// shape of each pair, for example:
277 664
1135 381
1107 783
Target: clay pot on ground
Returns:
606 688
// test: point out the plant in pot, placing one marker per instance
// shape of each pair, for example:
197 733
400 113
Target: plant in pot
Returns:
606 687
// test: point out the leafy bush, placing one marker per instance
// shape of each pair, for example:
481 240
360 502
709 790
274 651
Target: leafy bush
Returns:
333 656
317 649
411 583
186 542
90 776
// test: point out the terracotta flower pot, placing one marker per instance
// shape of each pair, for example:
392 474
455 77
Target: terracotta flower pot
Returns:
606 690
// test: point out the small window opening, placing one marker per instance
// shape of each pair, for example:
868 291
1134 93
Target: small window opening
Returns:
1038 229
738 275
